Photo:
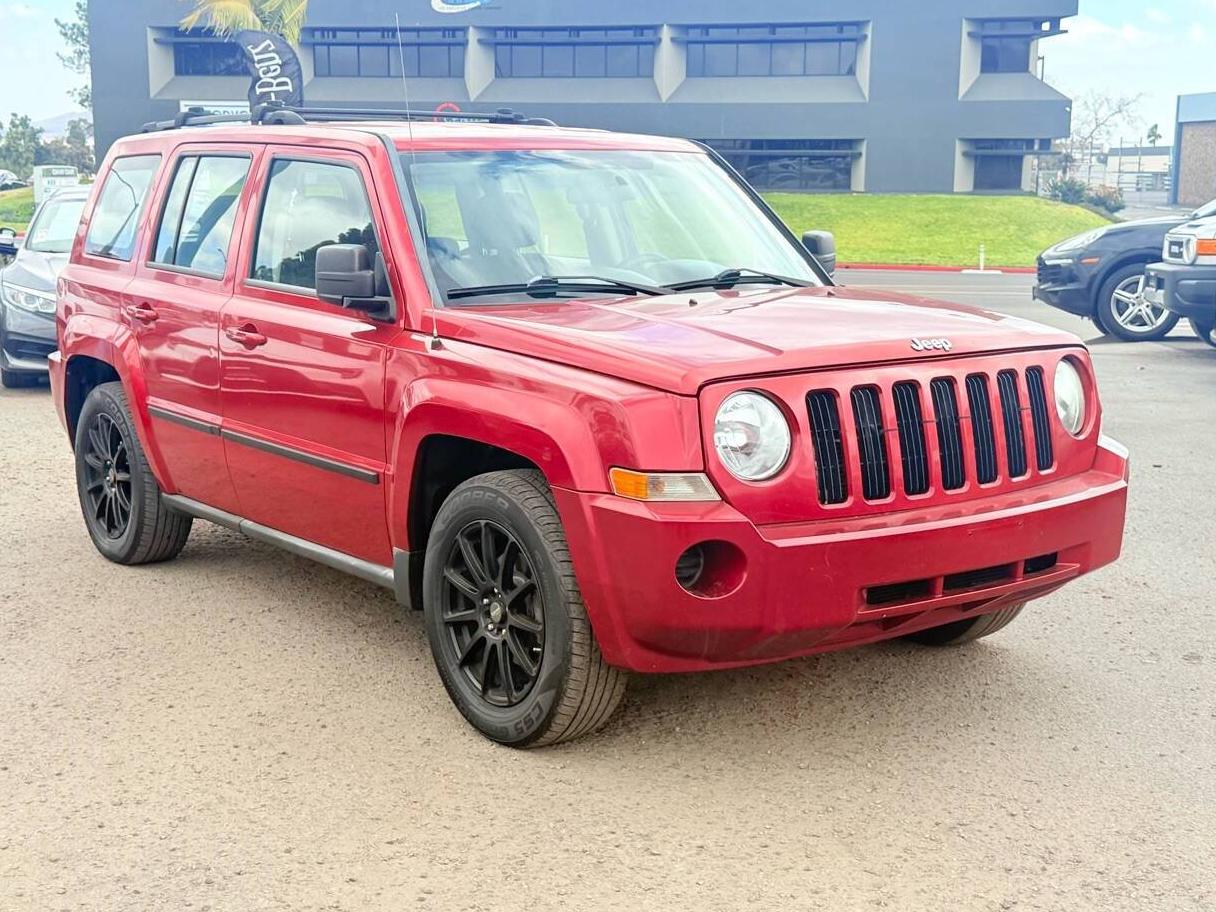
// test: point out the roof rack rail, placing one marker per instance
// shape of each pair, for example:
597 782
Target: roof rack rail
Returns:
284 115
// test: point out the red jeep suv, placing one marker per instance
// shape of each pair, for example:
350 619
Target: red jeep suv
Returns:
578 396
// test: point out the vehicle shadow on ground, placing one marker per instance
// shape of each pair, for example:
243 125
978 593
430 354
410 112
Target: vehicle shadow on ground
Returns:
848 701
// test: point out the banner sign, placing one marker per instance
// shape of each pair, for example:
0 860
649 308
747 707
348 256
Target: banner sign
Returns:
273 67
457 6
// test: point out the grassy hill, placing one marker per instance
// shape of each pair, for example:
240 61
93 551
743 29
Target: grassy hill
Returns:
16 208
940 230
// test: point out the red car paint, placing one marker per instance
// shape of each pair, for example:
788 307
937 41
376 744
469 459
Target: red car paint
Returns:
576 390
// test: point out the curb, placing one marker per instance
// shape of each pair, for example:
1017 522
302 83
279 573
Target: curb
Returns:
921 267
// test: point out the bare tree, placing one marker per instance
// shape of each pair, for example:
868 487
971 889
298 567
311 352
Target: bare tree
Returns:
1095 118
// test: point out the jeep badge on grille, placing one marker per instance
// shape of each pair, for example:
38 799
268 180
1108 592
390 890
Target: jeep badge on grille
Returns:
925 345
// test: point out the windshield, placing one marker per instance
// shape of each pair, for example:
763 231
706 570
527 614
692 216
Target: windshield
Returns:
644 218
54 227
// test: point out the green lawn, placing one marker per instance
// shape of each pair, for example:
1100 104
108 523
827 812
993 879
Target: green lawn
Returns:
944 230
16 208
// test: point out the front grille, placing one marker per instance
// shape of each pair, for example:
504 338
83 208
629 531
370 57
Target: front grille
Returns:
979 433
872 441
1044 452
1051 274
828 442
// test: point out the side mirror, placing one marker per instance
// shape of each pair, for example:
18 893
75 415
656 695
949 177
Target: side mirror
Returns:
346 277
822 246
8 242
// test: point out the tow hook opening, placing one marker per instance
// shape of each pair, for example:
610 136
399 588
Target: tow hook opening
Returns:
711 569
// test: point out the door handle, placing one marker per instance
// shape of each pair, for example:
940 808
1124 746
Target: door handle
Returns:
246 334
141 313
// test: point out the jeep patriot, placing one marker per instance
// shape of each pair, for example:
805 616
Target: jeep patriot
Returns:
580 397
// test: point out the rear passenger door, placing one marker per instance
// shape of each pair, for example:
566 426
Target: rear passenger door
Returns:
176 299
302 381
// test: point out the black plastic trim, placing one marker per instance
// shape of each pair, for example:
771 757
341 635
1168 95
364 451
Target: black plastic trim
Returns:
318 462
193 423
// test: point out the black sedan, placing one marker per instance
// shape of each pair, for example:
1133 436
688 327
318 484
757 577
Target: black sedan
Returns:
1100 275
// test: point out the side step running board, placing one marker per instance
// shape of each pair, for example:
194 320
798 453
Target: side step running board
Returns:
365 570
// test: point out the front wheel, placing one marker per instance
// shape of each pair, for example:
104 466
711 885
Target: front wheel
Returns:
119 497
968 631
506 622
1122 310
1204 331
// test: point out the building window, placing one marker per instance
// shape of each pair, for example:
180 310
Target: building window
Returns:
204 56
426 53
792 164
573 52
774 50
1005 43
999 162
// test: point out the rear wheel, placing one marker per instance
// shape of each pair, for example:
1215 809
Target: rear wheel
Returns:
1203 331
119 497
506 622
1123 312
960 632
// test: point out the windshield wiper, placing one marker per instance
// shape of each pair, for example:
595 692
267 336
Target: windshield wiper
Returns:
729 278
551 286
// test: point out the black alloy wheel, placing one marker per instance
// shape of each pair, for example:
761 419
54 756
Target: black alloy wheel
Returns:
492 614
107 472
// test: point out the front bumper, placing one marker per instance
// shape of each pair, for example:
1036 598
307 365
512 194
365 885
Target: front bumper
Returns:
814 587
1189 291
26 340
1063 284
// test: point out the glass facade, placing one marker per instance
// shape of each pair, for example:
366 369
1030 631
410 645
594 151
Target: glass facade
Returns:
774 50
574 52
425 53
791 164
1005 43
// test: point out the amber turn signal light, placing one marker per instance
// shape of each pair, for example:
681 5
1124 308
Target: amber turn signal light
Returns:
661 486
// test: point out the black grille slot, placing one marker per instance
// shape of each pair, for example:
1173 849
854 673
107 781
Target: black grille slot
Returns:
981 427
872 443
1011 416
910 422
829 447
893 593
1042 563
1044 454
949 433
985 576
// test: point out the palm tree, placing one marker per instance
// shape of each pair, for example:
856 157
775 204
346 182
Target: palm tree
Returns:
1154 135
223 17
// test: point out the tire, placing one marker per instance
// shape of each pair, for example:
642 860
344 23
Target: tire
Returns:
968 631
488 612
119 498
1203 331
1111 309
17 379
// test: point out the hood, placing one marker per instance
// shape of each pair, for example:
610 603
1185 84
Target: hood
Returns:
681 342
34 270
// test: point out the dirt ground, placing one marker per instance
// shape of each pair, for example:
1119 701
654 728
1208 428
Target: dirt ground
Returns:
242 730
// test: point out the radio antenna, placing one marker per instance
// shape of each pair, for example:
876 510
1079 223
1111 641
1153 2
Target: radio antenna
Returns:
409 126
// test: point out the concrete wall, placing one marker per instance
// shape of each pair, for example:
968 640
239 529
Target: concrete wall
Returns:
915 94
1197 164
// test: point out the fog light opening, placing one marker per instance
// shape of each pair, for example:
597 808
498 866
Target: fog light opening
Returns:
711 569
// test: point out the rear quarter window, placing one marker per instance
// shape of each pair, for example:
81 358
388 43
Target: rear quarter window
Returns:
120 205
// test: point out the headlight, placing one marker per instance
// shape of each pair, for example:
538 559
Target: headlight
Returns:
1079 242
27 299
1070 397
751 436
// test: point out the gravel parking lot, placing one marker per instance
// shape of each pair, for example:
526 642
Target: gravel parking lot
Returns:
243 730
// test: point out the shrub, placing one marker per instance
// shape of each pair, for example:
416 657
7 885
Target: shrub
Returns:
1109 199
1067 190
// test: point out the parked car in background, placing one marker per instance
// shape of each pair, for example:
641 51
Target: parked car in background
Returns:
1100 275
1184 283
10 181
27 288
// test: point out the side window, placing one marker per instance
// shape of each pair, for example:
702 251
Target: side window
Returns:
196 225
116 215
309 205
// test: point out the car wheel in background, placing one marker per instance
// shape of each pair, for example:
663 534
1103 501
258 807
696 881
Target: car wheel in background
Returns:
960 632
506 622
1203 331
119 497
1123 312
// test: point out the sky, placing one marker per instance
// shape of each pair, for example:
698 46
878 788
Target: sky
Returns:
1157 49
